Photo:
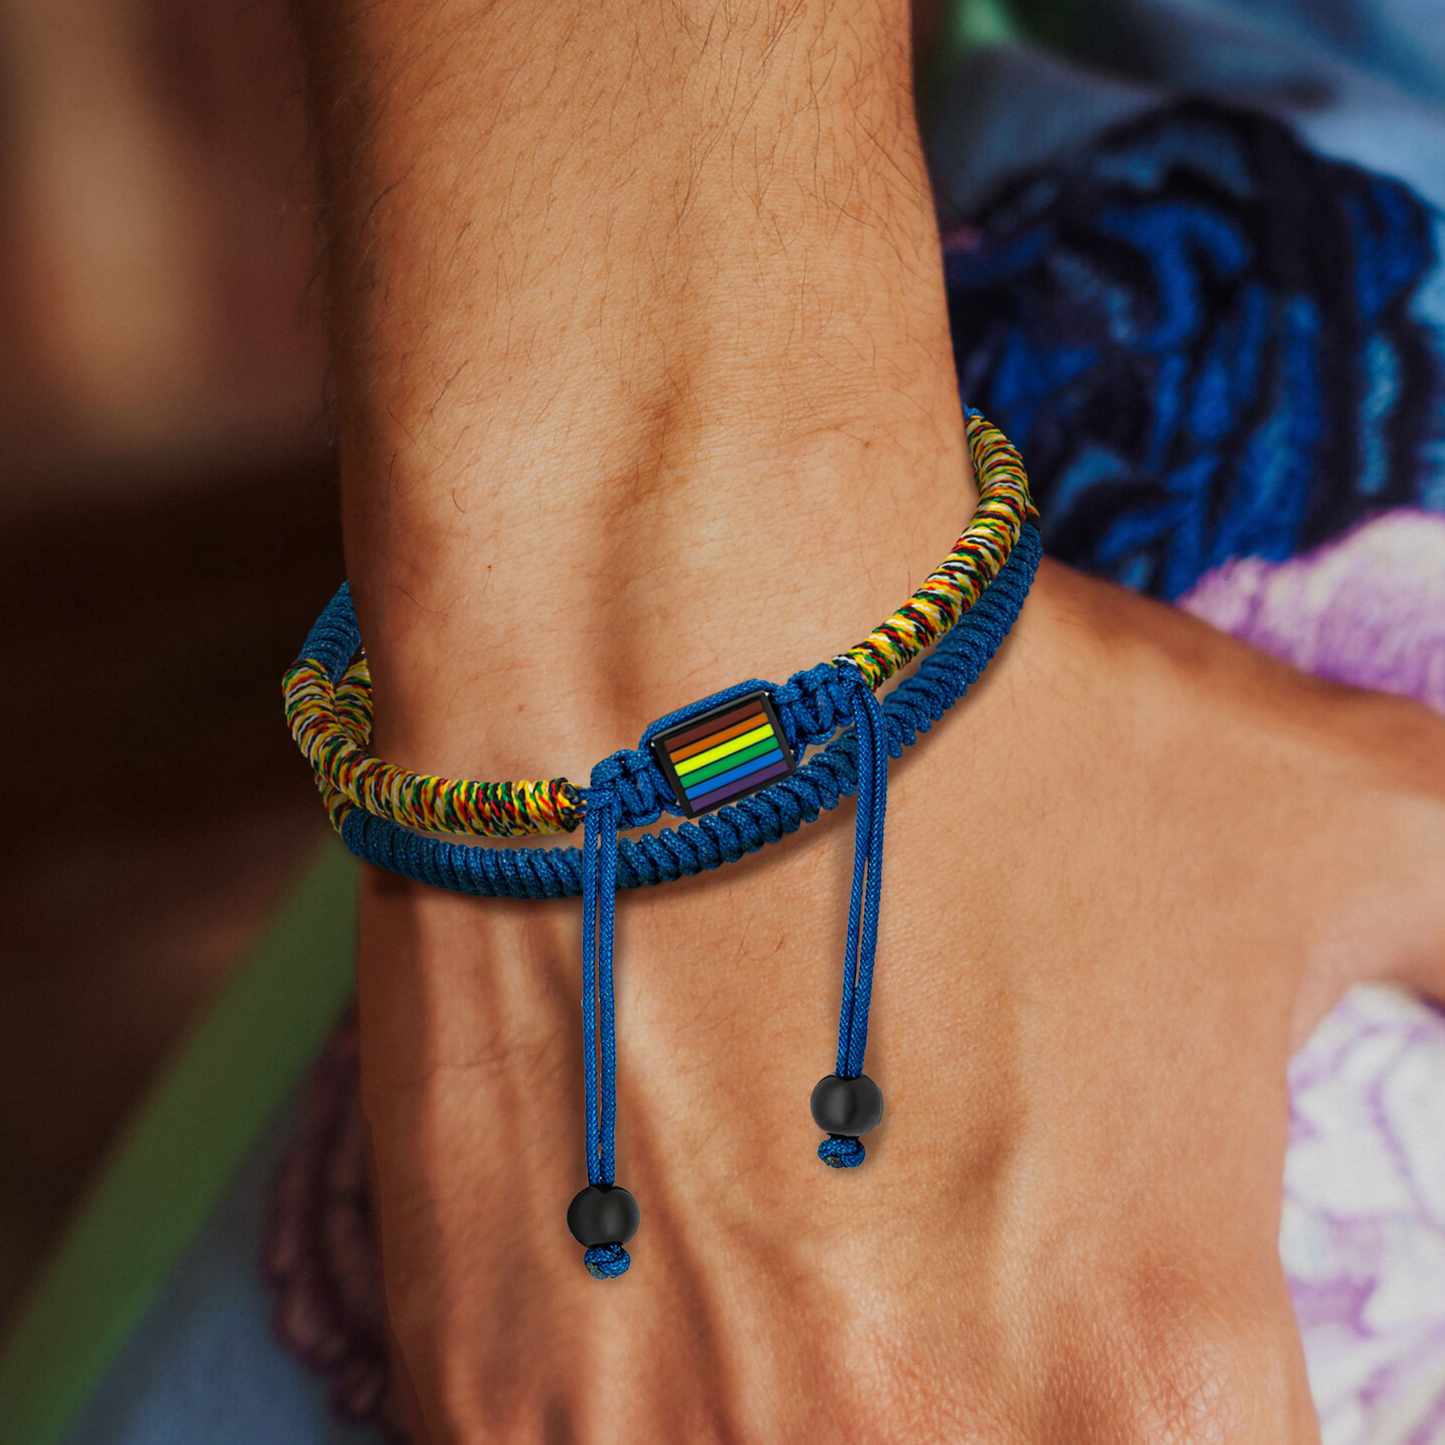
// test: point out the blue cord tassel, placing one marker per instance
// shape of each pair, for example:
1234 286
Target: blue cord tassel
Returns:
599 1030
841 1151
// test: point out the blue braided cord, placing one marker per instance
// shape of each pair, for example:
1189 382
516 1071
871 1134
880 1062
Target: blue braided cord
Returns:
736 829
599 1028
867 881
836 1150
866 741
591 826
335 637
606 833
599 1032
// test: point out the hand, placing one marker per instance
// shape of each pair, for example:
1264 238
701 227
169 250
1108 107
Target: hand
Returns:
1122 882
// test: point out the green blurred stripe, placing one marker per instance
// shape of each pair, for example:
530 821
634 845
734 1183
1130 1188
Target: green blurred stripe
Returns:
985 22
181 1149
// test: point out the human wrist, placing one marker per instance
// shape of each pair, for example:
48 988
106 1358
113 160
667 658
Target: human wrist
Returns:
531 596
506 662
615 434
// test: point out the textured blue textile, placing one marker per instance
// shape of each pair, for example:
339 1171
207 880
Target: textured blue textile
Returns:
1206 341
1330 69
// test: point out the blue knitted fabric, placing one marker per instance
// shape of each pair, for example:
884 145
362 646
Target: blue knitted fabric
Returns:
1207 340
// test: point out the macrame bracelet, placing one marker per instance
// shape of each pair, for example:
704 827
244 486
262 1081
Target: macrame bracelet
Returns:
733 762
325 719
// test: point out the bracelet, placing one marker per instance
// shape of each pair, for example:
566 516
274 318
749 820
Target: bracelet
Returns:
732 762
326 720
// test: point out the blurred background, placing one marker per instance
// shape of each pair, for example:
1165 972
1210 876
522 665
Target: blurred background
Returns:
168 529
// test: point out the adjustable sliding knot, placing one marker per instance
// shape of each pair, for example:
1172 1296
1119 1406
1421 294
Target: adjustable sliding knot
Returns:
813 705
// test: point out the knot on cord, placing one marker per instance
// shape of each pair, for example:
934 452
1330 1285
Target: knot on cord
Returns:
606 1261
848 1097
813 705
839 1152
640 794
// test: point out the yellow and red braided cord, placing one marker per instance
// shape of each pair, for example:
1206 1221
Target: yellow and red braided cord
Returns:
1004 505
331 727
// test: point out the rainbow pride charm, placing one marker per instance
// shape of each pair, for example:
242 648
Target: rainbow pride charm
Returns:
724 754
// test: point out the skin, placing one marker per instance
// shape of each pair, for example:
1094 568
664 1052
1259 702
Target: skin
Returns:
644 386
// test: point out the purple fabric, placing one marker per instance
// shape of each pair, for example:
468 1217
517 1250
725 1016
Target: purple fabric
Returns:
1363 1235
320 1256
1368 609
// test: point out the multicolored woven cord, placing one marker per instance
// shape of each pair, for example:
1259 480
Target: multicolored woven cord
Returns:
1004 505
332 724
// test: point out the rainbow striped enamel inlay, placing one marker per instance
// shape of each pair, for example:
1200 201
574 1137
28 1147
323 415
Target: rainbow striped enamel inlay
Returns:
724 754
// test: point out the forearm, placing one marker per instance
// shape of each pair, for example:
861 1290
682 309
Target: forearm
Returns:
643 374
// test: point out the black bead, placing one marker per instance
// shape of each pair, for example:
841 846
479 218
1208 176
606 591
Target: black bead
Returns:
603 1214
849 1107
